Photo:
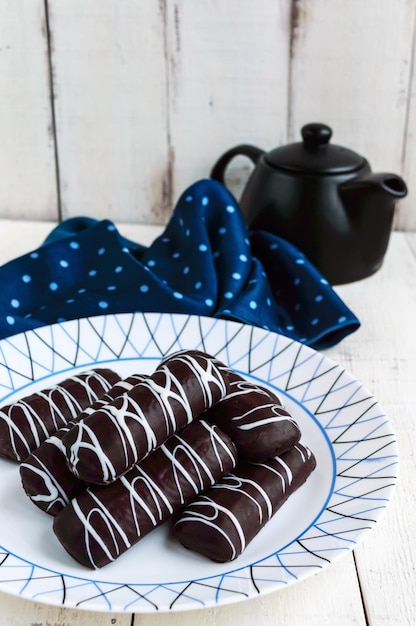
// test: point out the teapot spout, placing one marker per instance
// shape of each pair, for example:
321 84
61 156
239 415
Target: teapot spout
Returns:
372 192
369 203
387 185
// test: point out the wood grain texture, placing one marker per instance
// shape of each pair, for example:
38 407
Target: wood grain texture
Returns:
109 72
18 612
137 100
27 159
350 68
297 605
406 214
228 82
383 356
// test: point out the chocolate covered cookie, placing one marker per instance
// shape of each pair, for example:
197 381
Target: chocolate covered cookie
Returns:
25 424
104 521
220 523
255 419
105 445
45 476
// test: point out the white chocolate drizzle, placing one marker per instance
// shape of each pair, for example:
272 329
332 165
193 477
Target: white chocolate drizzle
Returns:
209 511
131 421
24 429
40 482
180 467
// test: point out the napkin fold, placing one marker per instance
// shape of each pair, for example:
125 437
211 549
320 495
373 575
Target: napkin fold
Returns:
206 263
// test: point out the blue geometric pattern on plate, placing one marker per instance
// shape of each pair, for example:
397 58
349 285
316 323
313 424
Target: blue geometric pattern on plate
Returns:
361 452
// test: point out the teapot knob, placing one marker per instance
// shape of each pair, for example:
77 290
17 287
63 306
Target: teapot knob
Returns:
315 135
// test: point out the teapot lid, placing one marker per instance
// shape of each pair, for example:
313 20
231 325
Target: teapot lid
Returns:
315 155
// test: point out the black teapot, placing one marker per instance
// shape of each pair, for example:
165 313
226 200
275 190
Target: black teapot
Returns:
324 199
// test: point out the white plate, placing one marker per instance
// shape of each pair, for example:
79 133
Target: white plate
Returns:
340 420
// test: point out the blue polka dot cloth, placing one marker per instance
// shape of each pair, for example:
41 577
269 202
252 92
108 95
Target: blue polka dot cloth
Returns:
206 263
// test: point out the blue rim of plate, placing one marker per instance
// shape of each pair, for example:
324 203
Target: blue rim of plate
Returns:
363 449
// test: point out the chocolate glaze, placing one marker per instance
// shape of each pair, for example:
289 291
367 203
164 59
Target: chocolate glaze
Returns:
25 424
220 523
109 442
45 475
104 521
255 419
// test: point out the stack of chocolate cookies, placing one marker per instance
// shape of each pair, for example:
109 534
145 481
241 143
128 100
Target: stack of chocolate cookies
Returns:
194 443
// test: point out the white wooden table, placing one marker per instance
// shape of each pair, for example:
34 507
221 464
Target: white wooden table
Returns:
375 584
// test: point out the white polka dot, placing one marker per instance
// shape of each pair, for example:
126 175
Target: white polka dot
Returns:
70 300
228 295
243 257
34 255
111 288
198 285
253 304
82 290
203 247
63 263
319 298
222 230
188 199
53 286
324 281
230 209
236 276
118 269
92 273
342 319
74 245
15 303
176 255
205 201
186 270
103 304
315 321
10 320
26 278
177 295
101 251
209 302
151 263
290 327
144 288
300 261
111 227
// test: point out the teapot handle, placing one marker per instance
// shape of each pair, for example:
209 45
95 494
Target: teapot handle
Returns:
253 153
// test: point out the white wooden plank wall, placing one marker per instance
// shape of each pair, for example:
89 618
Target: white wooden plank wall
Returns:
27 156
112 108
